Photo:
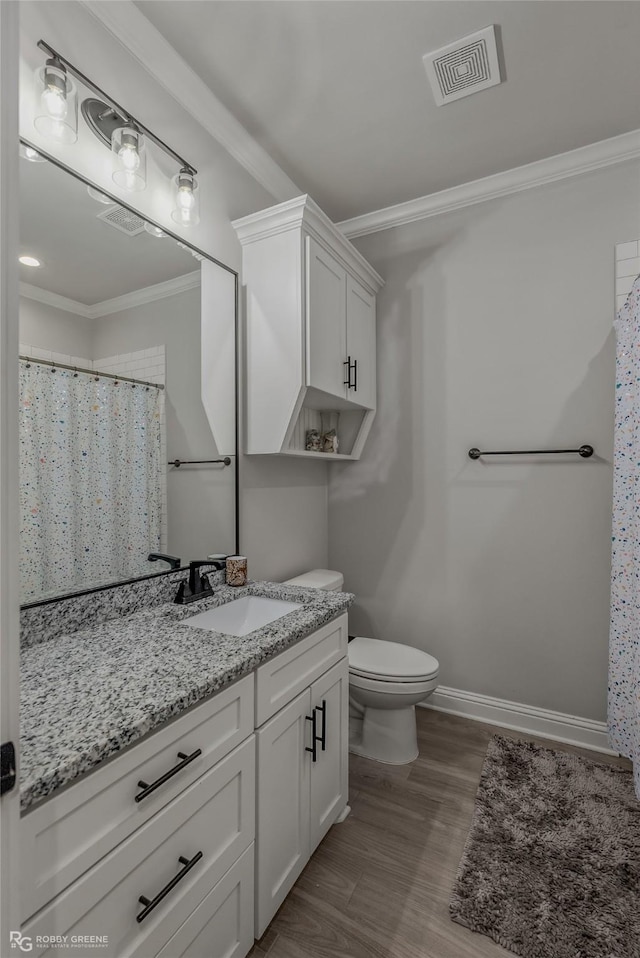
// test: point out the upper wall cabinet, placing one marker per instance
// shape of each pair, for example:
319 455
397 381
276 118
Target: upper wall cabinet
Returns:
311 328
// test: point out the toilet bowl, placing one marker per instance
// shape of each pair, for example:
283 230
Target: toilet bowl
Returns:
386 682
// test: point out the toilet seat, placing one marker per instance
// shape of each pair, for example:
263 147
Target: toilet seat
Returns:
392 687
390 662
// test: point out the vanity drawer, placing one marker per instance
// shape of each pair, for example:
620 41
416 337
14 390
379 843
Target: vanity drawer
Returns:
283 677
67 835
214 816
222 924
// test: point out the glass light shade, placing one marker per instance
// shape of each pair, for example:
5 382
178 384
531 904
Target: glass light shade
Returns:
56 115
154 231
98 196
129 159
187 208
28 153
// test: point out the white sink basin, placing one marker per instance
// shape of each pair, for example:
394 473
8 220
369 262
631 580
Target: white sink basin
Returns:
241 616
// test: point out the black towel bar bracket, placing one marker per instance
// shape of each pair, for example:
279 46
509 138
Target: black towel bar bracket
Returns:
585 452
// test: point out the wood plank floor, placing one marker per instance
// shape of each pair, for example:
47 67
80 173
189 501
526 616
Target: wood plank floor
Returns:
378 885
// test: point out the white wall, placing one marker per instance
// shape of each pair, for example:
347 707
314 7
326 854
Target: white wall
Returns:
495 330
54 329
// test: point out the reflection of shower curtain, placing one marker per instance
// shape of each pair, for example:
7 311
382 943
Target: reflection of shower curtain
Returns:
624 647
90 466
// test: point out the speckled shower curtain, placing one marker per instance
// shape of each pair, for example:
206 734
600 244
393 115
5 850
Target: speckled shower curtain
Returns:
624 643
90 469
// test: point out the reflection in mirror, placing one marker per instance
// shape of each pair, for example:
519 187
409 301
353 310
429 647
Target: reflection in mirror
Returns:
112 317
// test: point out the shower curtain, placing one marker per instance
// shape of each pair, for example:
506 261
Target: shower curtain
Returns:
624 645
90 490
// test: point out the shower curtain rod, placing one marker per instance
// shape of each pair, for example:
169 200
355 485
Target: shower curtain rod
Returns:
92 372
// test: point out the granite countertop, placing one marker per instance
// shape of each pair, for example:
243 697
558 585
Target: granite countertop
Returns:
87 695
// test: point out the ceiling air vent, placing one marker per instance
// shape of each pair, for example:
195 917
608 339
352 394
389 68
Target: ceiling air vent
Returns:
122 219
464 67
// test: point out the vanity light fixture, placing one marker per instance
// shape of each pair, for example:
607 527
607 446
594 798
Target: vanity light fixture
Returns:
29 261
28 153
98 196
129 159
114 126
57 99
155 231
187 208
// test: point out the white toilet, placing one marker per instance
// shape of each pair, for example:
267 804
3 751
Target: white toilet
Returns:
386 682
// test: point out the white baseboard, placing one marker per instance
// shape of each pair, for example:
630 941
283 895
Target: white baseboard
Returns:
558 726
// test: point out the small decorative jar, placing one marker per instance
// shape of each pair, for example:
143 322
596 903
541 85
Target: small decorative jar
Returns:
313 441
330 421
236 570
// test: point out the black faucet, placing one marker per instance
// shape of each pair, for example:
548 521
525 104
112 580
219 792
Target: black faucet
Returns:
174 561
198 585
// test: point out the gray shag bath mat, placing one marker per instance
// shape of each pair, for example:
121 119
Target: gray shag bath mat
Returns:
551 867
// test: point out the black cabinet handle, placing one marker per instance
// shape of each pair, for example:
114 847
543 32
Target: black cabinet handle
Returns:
148 789
347 381
323 734
150 905
314 738
355 375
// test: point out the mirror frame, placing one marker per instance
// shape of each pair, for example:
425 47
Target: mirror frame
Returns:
212 259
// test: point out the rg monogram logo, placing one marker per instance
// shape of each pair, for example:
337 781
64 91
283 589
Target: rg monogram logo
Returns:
18 940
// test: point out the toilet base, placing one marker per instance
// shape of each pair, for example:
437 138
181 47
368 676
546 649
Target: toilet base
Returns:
385 735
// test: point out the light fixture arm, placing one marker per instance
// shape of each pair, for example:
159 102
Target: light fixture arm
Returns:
126 116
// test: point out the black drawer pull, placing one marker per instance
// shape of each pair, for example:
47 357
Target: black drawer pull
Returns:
150 905
323 734
355 375
314 738
147 789
347 363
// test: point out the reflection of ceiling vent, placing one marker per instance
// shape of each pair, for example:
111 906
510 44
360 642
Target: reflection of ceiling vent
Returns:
464 67
123 220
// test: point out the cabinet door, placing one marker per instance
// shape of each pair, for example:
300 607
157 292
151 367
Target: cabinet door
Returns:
329 773
361 344
282 847
326 321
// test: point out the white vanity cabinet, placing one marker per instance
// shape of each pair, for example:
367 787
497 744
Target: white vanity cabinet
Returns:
302 768
310 331
92 852
185 845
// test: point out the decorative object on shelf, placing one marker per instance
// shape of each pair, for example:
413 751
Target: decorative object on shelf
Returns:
236 570
313 441
56 117
330 442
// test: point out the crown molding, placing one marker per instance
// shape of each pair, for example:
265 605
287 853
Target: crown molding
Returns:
54 299
150 294
301 212
155 54
596 156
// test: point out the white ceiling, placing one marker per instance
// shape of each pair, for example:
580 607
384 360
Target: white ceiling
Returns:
337 94
82 257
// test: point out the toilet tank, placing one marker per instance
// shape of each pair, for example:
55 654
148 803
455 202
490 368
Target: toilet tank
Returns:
325 579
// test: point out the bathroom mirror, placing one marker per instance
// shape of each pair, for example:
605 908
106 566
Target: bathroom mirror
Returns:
113 317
